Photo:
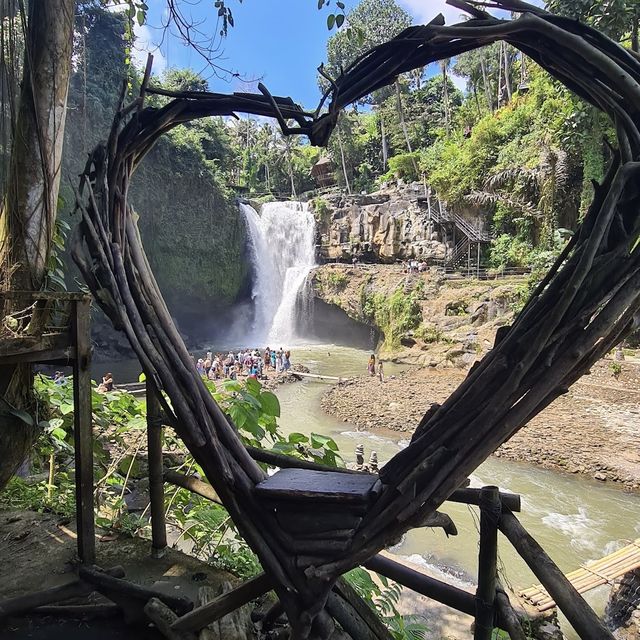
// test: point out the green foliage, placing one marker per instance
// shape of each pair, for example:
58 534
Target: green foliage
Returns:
383 595
375 22
616 369
394 315
120 429
429 333
614 17
507 251
404 166
321 210
333 281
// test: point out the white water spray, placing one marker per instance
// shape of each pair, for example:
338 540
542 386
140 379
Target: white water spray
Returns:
282 240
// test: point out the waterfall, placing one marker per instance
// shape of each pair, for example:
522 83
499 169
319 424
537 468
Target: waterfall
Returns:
282 243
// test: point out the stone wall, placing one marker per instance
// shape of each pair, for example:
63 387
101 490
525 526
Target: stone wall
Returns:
388 225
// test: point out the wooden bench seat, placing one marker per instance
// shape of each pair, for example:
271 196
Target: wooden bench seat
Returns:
327 487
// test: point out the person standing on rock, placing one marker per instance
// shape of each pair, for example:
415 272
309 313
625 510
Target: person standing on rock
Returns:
372 365
380 371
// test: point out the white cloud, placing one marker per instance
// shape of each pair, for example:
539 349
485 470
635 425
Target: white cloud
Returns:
425 10
459 82
144 44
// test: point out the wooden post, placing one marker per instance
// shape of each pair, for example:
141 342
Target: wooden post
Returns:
156 480
83 432
224 604
581 616
490 510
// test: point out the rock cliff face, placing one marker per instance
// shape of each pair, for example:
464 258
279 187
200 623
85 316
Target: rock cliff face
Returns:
385 226
424 318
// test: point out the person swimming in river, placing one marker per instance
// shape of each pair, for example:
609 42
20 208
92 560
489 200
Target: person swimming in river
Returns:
371 367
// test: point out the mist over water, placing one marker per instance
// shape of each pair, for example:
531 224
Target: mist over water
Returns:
282 249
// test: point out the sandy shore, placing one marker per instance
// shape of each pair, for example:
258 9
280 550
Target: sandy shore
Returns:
592 430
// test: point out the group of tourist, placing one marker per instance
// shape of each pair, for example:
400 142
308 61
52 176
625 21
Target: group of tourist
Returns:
414 266
250 363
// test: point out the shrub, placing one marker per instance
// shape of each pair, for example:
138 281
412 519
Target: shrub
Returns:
394 315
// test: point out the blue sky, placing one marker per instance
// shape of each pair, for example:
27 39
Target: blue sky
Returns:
280 42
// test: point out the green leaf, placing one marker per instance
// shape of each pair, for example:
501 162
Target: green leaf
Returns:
319 441
320 4
270 404
296 438
126 462
331 20
142 377
231 385
58 434
253 386
22 415
55 423
66 408
340 5
339 20
140 16
238 415
284 447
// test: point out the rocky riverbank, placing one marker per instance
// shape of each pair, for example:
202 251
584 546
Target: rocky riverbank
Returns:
592 430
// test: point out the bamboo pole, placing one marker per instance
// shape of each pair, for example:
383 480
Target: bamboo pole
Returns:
194 485
224 604
509 620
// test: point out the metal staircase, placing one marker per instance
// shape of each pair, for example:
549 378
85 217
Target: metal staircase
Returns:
455 229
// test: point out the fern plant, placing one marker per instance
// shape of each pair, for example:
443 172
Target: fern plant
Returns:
383 596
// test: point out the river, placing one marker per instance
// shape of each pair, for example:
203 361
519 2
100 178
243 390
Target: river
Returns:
574 518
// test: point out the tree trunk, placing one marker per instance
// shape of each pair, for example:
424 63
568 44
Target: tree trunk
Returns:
485 82
400 110
445 95
499 91
293 185
344 164
507 78
27 218
385 149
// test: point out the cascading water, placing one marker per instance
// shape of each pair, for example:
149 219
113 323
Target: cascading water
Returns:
282 241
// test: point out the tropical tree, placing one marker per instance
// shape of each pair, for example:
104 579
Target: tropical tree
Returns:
617 18
28 210
371 23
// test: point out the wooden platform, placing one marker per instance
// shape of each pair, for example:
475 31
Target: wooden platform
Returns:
590 576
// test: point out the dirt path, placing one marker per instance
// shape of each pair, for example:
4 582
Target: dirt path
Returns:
593 430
